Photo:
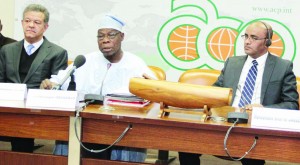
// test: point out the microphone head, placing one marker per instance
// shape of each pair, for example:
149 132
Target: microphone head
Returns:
79 61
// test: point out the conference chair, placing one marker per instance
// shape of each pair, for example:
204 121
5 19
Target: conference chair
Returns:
298 89
158 72
199 76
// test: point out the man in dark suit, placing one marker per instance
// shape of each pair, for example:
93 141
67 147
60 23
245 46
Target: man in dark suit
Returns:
30 66
274 85
4 40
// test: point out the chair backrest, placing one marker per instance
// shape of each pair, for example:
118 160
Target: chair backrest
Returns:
199 76
70 62
298 89
158 72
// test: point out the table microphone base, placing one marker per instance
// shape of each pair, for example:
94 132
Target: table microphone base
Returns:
242 117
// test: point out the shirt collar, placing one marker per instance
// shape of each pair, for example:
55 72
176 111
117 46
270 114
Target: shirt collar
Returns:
260 60
36 45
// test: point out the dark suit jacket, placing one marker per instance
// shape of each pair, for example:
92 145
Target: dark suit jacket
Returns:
49 60
5 40
278 83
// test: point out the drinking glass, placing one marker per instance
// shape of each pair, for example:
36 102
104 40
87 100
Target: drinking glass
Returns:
106 106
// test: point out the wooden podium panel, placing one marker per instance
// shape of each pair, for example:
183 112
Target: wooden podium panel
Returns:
34 126
19 121
87 161
150 131
12 158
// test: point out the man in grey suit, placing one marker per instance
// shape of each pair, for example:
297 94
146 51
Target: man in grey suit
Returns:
31 66
274 85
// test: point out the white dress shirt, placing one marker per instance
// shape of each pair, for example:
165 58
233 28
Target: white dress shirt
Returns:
257 89
36 45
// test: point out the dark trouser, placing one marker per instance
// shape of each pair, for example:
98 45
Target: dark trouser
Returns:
5 138
247 161
22 144
189 158
194 159
102 155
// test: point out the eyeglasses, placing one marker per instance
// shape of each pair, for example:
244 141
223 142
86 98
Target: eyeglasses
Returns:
251 38
110 36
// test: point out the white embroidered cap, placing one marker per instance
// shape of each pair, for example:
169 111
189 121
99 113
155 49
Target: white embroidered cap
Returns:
112 22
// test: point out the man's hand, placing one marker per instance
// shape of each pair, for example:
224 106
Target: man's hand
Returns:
47 84
250 106
147 76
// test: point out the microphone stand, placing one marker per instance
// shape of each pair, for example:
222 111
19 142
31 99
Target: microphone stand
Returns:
72 84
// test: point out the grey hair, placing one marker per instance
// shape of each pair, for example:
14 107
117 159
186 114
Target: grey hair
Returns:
37 8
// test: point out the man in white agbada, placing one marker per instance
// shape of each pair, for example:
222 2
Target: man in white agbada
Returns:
106 71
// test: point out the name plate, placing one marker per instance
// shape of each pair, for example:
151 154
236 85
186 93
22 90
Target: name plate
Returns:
51 99
12 91
281 119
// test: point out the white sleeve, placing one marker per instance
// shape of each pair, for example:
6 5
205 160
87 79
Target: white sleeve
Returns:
60 76
150 73
146 70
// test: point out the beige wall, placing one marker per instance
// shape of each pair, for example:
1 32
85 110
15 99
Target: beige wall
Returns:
7 16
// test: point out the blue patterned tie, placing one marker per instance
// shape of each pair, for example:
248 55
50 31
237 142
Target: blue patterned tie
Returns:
248 89
29 49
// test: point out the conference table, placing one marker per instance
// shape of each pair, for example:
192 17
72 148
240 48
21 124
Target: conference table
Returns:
147 129
184 132
18 121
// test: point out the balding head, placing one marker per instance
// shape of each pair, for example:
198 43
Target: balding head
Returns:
257 39
263 25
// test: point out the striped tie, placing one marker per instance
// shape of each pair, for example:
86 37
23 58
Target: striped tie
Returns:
248 89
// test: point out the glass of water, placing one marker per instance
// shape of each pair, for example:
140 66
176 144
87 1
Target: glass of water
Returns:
106 106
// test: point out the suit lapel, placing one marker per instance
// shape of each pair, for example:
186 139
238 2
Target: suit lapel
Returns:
16 53
269 67
42 54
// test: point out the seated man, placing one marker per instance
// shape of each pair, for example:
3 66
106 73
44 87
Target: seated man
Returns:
108 71
257 79
31 60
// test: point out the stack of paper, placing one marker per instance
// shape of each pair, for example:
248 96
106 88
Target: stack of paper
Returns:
126 100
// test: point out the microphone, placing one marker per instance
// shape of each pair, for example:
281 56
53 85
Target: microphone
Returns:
79 61
242 117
